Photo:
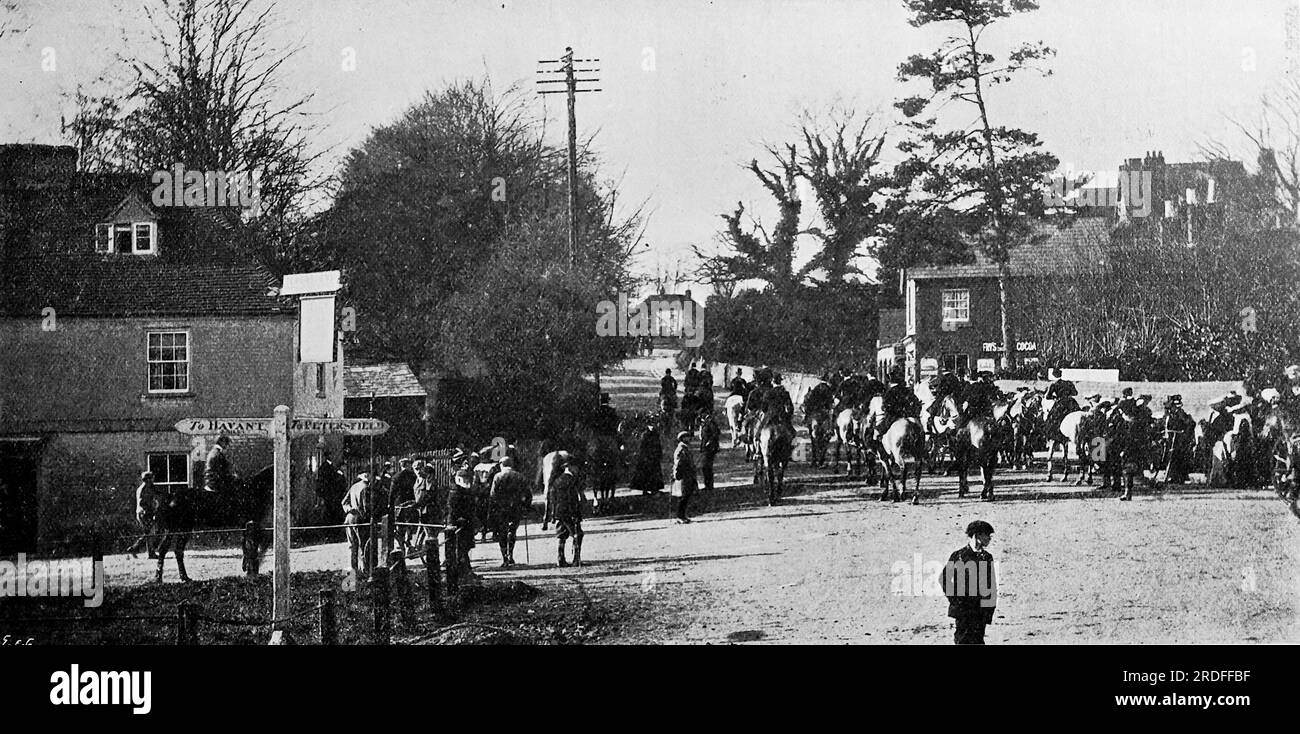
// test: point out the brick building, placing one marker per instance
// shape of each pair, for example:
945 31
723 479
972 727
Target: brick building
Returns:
953 313
117 320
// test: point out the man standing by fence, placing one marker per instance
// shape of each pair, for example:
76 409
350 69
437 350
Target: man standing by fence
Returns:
356 515
510 498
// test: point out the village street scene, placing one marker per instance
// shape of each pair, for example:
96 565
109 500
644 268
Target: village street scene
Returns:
905 322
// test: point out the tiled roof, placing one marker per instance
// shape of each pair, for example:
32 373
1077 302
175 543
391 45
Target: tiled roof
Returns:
48 257
384 379
1055 250
134 285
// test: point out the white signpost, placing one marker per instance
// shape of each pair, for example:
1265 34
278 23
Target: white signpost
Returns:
280 428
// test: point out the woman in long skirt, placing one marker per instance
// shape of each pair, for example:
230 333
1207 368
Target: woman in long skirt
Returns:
648 476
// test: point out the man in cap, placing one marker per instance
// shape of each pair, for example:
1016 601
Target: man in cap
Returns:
970 582
683 475
461 511
356 515
564 506
945 385
510 498
218 474
1130 439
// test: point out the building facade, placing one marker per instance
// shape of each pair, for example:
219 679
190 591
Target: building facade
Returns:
117 320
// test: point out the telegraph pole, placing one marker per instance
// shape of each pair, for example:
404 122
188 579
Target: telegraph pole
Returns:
551 76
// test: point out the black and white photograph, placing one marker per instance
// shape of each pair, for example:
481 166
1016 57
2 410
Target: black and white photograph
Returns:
676 323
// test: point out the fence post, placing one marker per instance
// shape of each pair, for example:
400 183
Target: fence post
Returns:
251 560
433 572
182 633
329 630
453 562
401 583
388 534
380 600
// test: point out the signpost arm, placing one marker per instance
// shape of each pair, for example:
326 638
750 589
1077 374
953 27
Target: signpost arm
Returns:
280 430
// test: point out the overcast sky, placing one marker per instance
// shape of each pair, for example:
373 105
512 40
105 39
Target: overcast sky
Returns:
693 89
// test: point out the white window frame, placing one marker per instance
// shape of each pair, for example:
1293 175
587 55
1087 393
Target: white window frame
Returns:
188 361
104 237
958 294
189 468
152 229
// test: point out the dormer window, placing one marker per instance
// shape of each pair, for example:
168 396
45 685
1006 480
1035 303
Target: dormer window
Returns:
127 238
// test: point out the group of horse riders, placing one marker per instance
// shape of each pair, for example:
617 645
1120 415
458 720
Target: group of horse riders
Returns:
1119 435
697 396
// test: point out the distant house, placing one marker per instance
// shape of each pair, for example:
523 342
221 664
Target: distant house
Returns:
117 320
391 392
673 316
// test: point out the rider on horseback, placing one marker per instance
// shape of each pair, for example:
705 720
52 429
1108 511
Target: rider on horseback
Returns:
739 386
978 399
1061 393
778 401
945 385
898 402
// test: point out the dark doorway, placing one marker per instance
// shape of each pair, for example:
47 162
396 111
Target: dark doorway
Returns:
20 461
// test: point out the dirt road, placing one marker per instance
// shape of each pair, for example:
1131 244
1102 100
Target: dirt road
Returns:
835 565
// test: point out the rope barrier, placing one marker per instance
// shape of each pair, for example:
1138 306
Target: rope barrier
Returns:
42 620
258 622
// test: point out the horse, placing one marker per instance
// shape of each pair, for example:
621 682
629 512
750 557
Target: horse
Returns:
902 443
1026 416
1078 430
817 406
939 429
603 456
668 408
775 445
550 467
820 430
1281 433
1227 454
174 521
978 442
735 410
846 435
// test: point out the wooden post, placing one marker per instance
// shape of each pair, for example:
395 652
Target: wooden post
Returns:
182 634
388 535
251 558
453 562
433 571
280 431
329 630
401 584
379 599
